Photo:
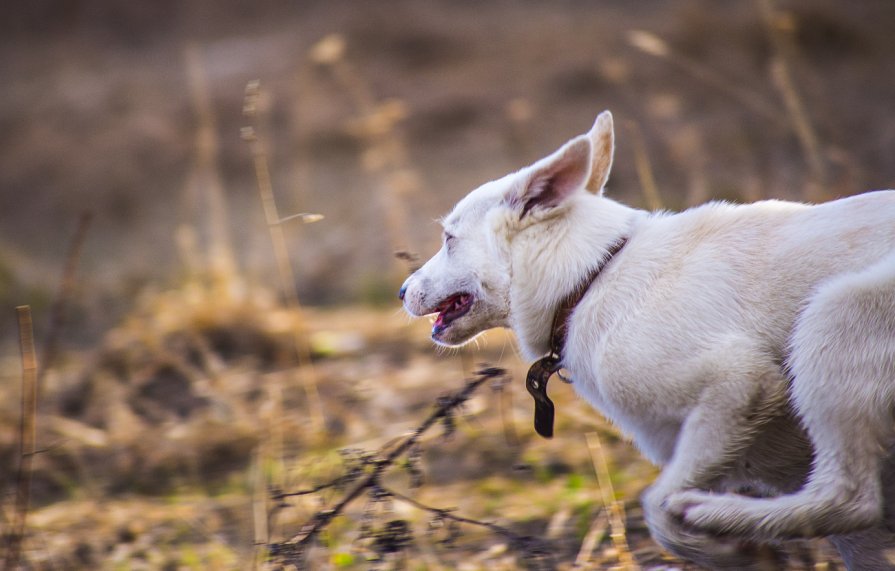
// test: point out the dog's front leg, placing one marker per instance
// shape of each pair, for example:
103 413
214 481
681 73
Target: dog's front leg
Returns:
719 428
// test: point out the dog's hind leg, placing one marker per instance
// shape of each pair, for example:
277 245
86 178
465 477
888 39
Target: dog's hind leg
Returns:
747 391
843 362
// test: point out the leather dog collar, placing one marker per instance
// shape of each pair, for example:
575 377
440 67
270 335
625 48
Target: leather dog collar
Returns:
544 368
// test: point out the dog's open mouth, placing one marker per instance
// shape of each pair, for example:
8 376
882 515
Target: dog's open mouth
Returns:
450 310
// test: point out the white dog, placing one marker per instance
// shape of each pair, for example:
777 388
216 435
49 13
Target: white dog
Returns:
748 349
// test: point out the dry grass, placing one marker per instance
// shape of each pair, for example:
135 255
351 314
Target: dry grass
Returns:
163 445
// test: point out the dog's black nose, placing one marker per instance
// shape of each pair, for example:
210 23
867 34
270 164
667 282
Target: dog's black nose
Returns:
402 291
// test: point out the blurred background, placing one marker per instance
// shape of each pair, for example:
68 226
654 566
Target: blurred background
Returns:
195 133
104 106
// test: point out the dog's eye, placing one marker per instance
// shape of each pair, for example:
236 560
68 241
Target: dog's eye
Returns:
449 241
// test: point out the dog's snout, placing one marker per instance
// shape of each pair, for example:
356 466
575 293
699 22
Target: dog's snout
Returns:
402 291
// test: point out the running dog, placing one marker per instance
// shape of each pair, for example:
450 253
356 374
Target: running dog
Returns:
749 350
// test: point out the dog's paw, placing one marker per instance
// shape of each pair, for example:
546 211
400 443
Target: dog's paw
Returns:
669 528
679 503
709 513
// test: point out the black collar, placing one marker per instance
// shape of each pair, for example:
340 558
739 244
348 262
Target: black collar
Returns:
542 369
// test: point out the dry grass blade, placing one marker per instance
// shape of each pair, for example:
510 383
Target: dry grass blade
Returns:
592 539
613 507
27 438
644 168
66 289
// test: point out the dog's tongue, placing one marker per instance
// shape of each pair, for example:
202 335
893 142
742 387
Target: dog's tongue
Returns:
449 310
443 314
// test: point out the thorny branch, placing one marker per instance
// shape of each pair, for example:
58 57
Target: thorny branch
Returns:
292 550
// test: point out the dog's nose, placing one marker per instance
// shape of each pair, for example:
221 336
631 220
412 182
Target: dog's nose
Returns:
402 291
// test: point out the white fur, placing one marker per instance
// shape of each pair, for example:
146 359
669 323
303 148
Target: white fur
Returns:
726 340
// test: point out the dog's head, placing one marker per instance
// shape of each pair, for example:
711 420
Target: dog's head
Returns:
468 282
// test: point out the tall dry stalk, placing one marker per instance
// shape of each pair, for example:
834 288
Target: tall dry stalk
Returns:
644 168
284 265
689 149
205 179
613 507
27 438
783 81
655 46
386 154
260 513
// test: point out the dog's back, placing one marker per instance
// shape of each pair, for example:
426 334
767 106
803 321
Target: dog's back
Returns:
687 282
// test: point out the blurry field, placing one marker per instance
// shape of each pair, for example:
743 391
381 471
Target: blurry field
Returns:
204 138
165 443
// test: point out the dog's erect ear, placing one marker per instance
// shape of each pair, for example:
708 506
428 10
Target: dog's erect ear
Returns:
553 179
602 140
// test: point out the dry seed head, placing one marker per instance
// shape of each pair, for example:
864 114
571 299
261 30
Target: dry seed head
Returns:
614 69
329 50
785 22
248 134
252 93
648 42
374 159
304 217
403 181
381 121
308 218
520 110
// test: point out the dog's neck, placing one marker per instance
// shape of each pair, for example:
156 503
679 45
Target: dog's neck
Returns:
573 249
560 328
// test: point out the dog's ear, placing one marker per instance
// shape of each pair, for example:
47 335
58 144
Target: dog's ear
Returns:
553 179
602 141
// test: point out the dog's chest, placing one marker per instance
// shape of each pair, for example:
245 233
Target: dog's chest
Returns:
633 365
646 405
